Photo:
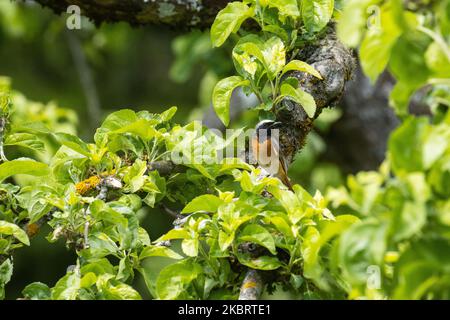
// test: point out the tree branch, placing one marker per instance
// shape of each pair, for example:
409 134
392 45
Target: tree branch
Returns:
86 80
252 286
164 167
176 13
336 65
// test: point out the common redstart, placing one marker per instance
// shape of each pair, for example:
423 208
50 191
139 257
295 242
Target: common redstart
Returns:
266 150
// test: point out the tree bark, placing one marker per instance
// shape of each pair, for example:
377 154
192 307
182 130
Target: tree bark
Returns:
181 14
252 286
336 65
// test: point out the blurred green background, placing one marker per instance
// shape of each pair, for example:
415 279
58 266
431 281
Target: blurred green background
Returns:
129 67
99 69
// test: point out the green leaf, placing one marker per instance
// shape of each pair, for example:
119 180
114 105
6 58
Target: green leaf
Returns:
121 291
173 279
36 291
401 96
286 8
159 251
297 65
435 145
437 61
229 21
274 54
142 128
100 245
222 95
190 247
31 127
244 54
116 121
135 177
88 280
22 166
6 270
168 114
259 263
377 45
73 142
26 140
281 223
407 62
406 143
100 211
66 288
409 220
174 234
14 230
205 203
423 270
301 97
316 14
353 21
225 240
439 179
290 202
361 246
313 243
278 31
259 235
98 267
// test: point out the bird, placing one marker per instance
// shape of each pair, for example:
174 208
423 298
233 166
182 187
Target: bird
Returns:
266 151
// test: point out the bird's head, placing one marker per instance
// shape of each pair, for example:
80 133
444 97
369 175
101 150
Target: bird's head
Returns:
267 125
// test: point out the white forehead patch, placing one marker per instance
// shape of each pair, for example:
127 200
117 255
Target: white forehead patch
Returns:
262 123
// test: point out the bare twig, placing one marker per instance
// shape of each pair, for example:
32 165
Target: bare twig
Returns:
170 212
86 229
86 79
2 130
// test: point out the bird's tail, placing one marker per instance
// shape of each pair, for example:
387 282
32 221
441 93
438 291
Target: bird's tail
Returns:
287 182
282 175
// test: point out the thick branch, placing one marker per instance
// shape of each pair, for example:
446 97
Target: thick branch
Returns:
336 65
176 13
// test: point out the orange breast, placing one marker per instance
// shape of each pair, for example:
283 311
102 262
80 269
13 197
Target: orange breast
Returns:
262 151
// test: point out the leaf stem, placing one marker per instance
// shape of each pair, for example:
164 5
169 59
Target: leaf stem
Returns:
2 130
438 38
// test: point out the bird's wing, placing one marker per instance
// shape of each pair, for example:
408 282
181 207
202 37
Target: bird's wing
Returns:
283 167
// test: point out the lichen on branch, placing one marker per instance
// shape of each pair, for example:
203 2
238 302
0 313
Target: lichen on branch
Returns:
176 13
336 65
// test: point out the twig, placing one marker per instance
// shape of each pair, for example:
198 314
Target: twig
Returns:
164 167
86 79
252 286
170 212
2 130
86 230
